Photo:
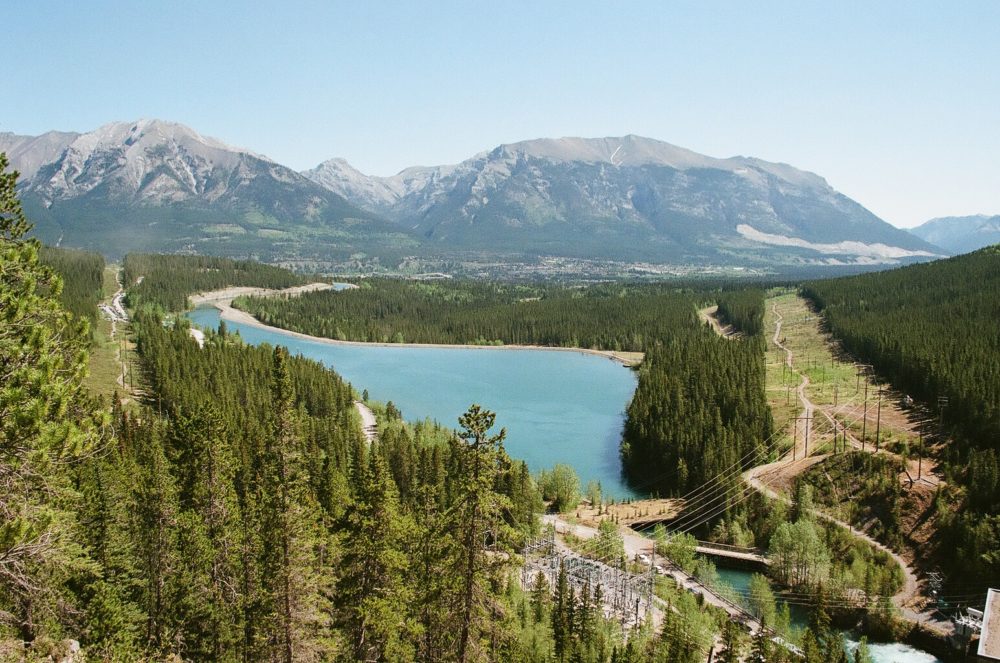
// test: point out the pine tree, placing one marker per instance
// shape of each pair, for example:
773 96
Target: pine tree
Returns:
731 643
585 616
539 597
113 617
837 649
373 594
760 647
819 619
561 634
481 520
571 615
207 493
863 654
812 649
294 585
45 424
437 552
156 530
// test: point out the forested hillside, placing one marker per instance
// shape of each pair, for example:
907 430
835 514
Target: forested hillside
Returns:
167 280
699 409
932 331
81 273
321 536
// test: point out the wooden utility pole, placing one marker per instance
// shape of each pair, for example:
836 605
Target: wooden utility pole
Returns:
920 458
942 404
864 418
878 420
864 369
795 435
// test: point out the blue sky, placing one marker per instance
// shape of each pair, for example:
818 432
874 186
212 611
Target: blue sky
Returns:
897 104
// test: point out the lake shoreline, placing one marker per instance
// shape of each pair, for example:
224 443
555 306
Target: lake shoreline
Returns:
223 300
557 407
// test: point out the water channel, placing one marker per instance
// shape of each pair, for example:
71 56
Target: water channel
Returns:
882 652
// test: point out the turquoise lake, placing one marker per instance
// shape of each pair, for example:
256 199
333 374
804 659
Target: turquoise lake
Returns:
558 407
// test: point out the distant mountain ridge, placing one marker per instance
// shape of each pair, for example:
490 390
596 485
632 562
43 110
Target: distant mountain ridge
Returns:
152 185
161 186
960 234
628 196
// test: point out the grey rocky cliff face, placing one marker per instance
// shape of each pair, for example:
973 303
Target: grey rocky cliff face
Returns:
150 160
625 192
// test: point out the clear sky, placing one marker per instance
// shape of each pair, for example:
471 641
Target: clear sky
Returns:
897 104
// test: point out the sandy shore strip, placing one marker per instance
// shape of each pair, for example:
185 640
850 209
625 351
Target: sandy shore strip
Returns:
232 293
223 300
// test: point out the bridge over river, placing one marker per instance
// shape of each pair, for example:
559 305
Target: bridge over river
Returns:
751 559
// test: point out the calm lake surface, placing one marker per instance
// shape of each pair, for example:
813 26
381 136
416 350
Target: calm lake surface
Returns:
558 407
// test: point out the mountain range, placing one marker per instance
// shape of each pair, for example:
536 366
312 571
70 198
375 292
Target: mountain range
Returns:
960 234
159 186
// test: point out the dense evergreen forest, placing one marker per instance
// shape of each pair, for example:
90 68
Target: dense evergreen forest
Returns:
167 280
82 274
743 309
932 331
333 547
611 317
698 410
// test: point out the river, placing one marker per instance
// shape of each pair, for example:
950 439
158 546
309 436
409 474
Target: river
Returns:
557 407
882 652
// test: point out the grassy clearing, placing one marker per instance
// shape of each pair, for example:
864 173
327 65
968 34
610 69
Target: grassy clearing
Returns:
780 382
834 383
110 285
104 367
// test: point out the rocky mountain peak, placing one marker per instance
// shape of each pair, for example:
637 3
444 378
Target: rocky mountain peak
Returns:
150 159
